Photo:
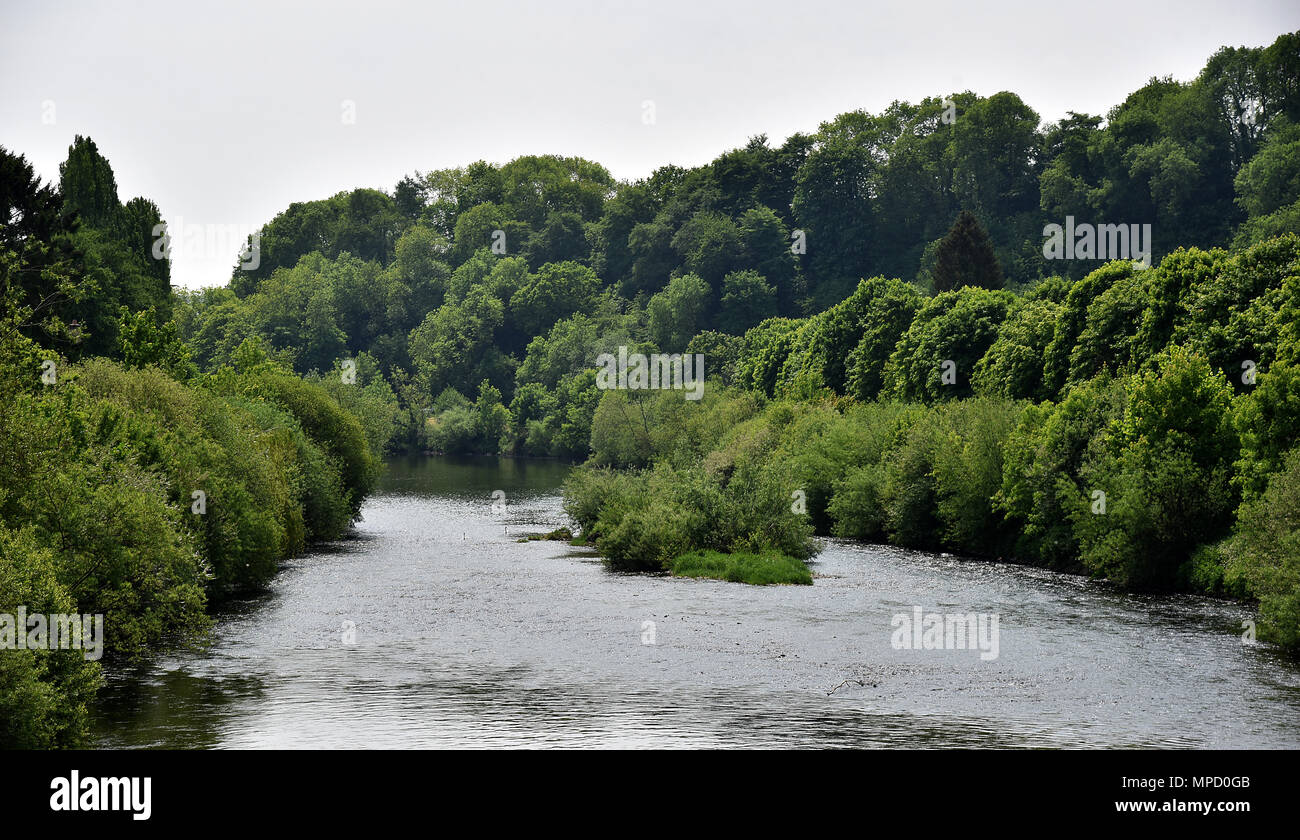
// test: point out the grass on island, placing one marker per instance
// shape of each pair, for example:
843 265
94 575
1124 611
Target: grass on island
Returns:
758 569
561 534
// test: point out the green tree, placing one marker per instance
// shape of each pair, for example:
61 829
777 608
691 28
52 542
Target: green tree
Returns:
1013 365
491 418
747 298
454 343
965 257
937 356
554 292
678 312
88 186
1166 471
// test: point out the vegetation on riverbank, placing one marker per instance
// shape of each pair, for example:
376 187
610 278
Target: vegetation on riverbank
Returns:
132 485
474 301
161 450
1162 462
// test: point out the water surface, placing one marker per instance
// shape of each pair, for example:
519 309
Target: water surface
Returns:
434 627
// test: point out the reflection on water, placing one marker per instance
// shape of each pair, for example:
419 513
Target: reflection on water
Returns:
434 627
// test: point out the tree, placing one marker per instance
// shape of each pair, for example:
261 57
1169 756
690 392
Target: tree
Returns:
571 345
678 312
145 340
710 246
766 243
556 291
832 203
323 342
534 186
883 321
453 346
1073 319
764 350
935 358
491 418
1013 366
41 274
650 249
1042 462
747 298
88 186
994 151
1271 179
1166 471
562 238
611 255
364 222
965 257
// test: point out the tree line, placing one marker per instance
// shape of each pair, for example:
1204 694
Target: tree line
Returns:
1141 426
883 335
481 294
134 485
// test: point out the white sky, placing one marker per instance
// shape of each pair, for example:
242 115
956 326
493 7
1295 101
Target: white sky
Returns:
225 114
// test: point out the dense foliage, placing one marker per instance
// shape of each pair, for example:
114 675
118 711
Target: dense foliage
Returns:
132 485
891 355
1166 460
521 274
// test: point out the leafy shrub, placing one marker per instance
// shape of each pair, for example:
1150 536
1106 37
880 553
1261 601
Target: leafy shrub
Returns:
1266 551
1042 461
44 694
1166 471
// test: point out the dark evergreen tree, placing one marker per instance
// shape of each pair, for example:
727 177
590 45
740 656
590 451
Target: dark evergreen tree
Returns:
87 185
965 257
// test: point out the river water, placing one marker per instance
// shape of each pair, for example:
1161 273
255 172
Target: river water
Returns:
435 627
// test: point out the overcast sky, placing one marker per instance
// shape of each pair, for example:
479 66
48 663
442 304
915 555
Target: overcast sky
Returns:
224 113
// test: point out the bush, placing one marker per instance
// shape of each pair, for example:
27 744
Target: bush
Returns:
453 432
99 481
371 400
44 694
587 490
641 521
1166 471
201 443
643 539
968 474
821 447
857 508
328 425
1266 551
958 327
1042 460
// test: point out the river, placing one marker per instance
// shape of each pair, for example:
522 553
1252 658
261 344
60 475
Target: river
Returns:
435 627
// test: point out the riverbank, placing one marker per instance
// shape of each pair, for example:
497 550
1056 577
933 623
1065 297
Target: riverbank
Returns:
1157 482
140 497
462 636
